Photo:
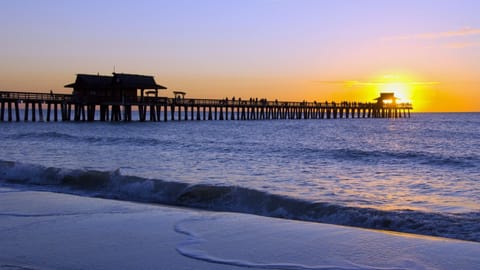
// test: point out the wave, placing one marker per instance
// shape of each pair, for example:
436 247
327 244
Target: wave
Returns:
42 135
114 185
394 157
363 156
99 140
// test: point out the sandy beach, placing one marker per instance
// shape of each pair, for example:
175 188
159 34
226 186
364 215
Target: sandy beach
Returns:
45 230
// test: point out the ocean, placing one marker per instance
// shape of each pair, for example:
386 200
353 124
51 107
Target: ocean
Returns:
418 175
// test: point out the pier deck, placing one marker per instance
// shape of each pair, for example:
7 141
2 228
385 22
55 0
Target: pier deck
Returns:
31 106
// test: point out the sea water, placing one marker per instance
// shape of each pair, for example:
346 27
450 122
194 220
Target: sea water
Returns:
418 174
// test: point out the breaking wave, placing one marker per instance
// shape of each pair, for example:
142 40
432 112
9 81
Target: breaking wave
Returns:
114 185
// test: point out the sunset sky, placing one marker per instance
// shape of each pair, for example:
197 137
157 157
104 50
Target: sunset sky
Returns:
427 51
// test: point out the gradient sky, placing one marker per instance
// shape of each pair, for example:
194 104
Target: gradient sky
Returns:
428 51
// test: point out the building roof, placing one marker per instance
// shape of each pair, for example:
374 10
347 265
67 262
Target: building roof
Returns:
136 81
126 81
384 96
93 81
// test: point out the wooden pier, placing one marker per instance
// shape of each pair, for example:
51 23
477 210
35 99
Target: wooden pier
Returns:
121 96
28 106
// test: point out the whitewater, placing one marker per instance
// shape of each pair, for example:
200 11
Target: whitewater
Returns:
418 175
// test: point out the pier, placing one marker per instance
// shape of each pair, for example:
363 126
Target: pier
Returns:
27 106
125 97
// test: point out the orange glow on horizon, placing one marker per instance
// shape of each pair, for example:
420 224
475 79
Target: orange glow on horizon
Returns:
407 88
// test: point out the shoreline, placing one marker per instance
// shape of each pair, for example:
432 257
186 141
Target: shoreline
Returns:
45 230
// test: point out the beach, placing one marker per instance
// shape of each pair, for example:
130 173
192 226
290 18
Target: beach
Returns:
46 230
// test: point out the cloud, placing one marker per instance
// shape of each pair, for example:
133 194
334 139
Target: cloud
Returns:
461 45
345 83
357 83
437 35
329 82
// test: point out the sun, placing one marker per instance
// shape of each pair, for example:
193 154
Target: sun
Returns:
401 90
406 87
401 86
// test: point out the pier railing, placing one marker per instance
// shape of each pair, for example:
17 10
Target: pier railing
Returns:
266 103
51 97
32 96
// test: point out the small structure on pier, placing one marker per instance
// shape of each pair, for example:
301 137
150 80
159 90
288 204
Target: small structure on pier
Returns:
117 88
179 95
386 98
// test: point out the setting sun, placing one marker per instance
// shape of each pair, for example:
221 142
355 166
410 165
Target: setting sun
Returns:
401 90
410 89
406 88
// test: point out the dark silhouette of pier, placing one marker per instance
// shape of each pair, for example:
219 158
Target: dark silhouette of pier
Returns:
55 107
121 96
